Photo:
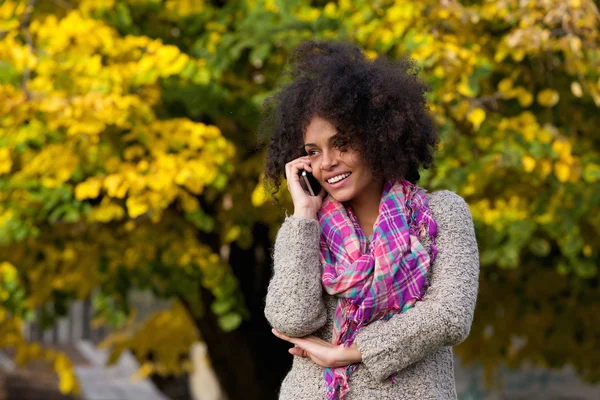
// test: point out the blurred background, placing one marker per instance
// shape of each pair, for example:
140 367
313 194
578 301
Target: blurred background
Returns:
135 236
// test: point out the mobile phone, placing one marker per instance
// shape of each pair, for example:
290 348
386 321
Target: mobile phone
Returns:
309 183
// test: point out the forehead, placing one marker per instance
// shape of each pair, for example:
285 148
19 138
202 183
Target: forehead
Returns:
319 130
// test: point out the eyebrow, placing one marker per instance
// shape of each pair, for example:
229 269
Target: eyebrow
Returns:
332 137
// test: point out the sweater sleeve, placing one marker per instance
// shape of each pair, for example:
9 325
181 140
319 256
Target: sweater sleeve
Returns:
294 303
444 316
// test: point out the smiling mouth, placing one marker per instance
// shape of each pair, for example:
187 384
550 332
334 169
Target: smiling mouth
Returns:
339 178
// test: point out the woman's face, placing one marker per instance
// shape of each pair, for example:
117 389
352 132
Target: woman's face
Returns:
343 175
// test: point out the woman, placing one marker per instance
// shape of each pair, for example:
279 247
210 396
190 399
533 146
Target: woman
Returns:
374 279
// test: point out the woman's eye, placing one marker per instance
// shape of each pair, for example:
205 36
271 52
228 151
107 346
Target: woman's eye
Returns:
312 153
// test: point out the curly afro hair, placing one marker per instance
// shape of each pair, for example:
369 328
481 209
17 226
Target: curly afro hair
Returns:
377 106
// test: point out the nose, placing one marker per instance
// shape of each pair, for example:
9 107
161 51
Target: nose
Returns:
329 160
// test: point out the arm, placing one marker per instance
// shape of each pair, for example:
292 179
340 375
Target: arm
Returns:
443 317
294 303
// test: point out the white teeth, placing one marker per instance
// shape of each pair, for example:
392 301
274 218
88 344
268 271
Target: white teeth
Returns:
338 178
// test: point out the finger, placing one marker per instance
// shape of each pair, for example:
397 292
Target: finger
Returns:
308 344
296 167
298 164
283 336
294 183
299 160
298 352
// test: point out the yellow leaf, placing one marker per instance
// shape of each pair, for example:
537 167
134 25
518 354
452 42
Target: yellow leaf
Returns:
107 211
136 207
64 369
175 66
259 196
518 55
476 117
112 183
545 136
545 168
501 53
439 71
576 89
548 97
232 234
8 272
528 163
89 189
563 149
464 88
443 13
386 36
525 98
330 10
370 54
562 171
182 176
188 202
5 161
505 85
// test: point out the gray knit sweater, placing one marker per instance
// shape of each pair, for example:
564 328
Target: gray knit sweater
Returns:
415 346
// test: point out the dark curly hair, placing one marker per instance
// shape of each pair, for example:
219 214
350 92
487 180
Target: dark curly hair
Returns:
378 107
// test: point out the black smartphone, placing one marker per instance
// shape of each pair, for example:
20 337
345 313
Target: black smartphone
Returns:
309 183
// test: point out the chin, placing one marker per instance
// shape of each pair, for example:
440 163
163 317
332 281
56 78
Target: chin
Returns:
341 197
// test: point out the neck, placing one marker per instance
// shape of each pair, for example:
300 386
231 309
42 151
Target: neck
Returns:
366 206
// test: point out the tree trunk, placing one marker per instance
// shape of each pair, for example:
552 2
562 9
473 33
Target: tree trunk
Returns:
250 362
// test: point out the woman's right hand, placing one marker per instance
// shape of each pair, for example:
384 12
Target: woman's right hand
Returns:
305 205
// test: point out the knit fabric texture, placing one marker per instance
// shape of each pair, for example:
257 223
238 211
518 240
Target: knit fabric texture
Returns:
384 280
414 347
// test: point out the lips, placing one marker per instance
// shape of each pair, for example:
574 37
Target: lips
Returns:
338 183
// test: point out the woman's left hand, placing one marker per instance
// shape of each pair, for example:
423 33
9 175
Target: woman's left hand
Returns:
321 352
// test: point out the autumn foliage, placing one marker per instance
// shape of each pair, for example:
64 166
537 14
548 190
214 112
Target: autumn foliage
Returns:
128 158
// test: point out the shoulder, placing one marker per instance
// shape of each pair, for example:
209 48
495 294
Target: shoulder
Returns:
448 207
444 197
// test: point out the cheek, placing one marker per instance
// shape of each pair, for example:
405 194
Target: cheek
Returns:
352 159
316 169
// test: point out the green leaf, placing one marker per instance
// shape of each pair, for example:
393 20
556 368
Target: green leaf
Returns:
489 256
226 287
229 322
220 182
260 53
539 247
473 82
201 220
9 75
223 305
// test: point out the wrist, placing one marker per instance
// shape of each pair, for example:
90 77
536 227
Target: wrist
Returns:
355 353
305 213
349 355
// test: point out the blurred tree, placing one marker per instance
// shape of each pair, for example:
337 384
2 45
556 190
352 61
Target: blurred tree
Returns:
128 159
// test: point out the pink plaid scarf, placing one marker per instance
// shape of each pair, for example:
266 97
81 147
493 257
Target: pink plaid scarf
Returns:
388 278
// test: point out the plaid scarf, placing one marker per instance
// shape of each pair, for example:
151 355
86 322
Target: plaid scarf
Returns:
386 279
